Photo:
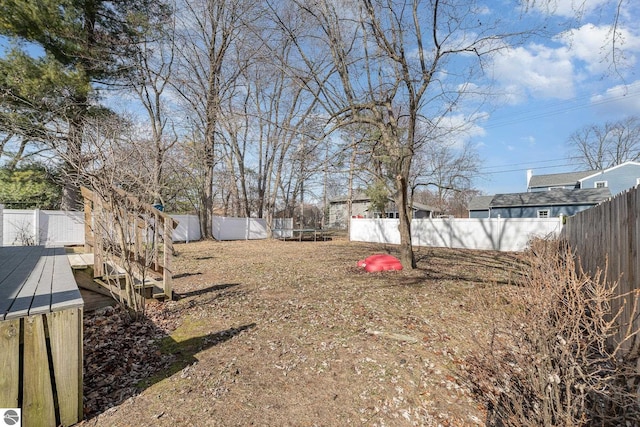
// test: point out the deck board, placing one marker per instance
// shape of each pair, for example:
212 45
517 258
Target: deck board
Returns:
23 300
16 267
35 280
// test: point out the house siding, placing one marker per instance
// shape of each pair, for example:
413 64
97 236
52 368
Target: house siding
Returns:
547 188
479 214
532 211
339 215
618 178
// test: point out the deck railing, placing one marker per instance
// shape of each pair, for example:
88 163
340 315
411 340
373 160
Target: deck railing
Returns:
138 234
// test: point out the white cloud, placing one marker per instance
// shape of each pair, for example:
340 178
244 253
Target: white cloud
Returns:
456 129
536 70
618 100
577 57
594 45
568 8
462 128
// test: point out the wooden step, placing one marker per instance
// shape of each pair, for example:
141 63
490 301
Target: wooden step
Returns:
112 284
80 261
85 280
113 272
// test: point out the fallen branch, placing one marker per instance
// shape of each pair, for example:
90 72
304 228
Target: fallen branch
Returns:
397 337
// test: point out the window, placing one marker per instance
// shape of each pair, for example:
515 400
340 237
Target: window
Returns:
600 184
543 213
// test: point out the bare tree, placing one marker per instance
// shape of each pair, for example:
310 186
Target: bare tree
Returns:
601 147
268 123
445 169
387 61
154 61
208 39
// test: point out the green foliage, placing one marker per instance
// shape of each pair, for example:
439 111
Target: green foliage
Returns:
47 94
34 91
90 36
379 195
29 187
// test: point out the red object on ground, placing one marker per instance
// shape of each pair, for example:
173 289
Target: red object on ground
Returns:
380 262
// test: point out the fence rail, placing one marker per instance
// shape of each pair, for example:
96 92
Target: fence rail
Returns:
606 237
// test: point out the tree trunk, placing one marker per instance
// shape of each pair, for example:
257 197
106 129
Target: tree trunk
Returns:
407 257
206 219
72 162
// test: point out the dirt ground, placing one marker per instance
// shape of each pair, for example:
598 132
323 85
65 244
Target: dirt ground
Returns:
273 333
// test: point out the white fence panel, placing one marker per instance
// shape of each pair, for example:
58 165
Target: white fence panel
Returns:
58 228
225 228
36 227
20 227
383 230
61 228
282 228
501 234
188 228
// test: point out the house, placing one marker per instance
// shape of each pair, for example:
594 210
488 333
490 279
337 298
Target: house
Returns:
568 181
558 194
360 208
537 204
479 206
617 179
542 204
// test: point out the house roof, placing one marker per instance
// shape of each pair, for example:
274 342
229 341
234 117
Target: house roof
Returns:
355 197
423 207
597 172
552 198
480 203
361 197
559 179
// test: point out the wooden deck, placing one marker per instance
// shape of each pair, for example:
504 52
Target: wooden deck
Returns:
35 280
40 336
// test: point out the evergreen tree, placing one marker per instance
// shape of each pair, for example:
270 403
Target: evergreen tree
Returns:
69 48
29 187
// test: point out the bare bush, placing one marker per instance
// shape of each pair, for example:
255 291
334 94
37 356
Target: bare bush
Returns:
554 362
24 234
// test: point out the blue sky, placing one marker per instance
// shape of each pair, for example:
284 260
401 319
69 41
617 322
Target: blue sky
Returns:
555 87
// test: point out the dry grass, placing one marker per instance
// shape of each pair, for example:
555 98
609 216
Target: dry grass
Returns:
292 333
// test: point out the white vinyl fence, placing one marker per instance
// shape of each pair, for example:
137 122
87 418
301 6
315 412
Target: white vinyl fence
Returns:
282 228
40 227
500 234
188 228
59 228
226 228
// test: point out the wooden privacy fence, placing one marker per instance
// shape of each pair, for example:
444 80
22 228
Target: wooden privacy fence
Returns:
607 235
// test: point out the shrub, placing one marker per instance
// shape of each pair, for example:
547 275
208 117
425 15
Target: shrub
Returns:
554 362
